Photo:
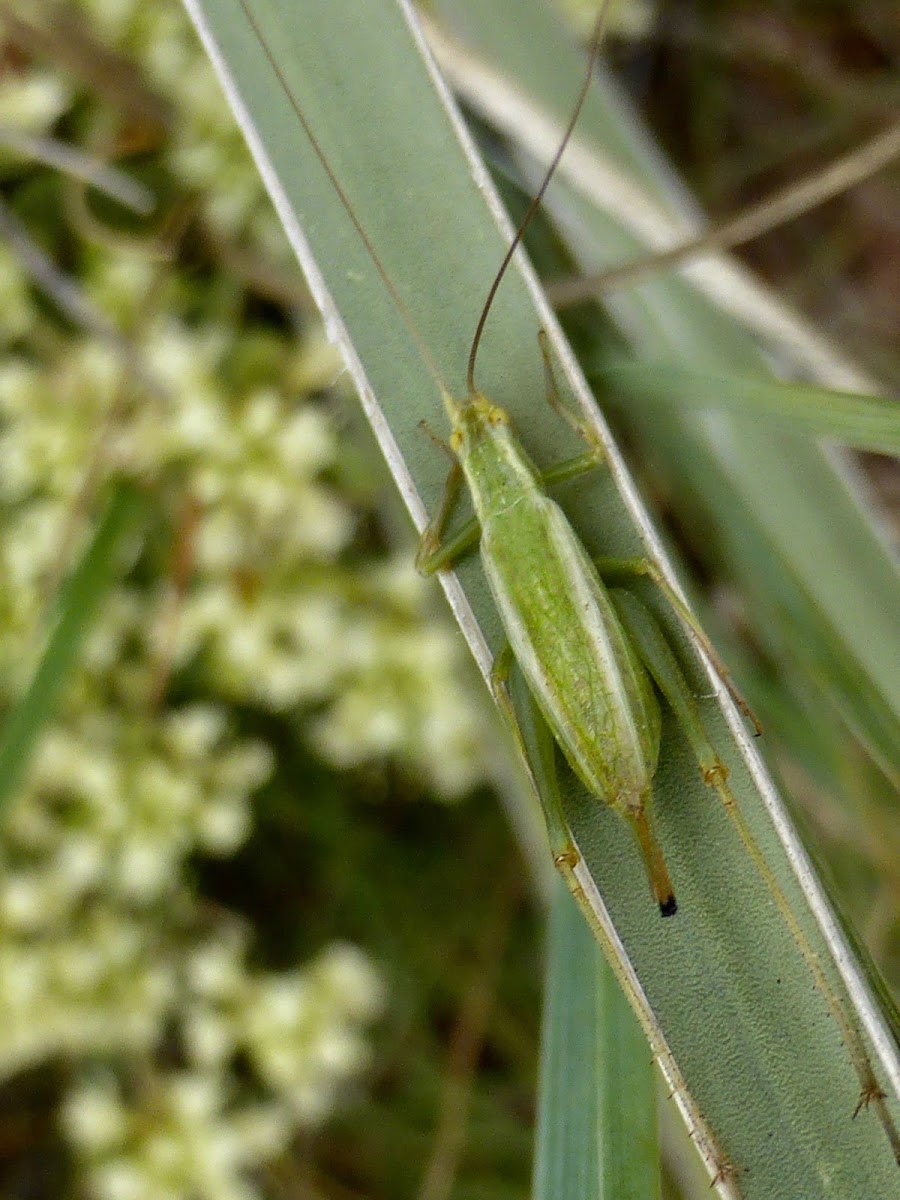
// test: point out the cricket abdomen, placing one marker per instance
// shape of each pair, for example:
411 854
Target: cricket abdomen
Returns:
568 642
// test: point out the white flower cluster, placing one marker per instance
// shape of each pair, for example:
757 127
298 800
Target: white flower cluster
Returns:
115 804
100 982
178 1138
398 690
184 1134
106 953
97 920
268 610
30 101
300 1030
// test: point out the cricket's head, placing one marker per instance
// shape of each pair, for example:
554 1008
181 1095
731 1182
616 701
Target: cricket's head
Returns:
474 422
497 469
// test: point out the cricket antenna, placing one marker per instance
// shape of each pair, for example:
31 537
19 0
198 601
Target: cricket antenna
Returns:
596 41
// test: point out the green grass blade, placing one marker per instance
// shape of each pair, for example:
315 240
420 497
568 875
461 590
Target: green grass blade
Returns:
77 602
866 422
723 987
596 1134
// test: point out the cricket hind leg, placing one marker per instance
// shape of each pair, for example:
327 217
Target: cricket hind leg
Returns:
656 653
635 566
611 569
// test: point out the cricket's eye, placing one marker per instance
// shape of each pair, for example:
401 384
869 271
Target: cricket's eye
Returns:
497 416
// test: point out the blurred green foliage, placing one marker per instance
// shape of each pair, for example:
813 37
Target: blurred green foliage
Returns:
345 841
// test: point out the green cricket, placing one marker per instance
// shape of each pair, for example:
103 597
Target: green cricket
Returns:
593 655
589 654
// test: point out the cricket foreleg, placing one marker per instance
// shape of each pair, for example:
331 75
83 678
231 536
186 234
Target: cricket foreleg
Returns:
611 569
581 427
654 650
432 555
